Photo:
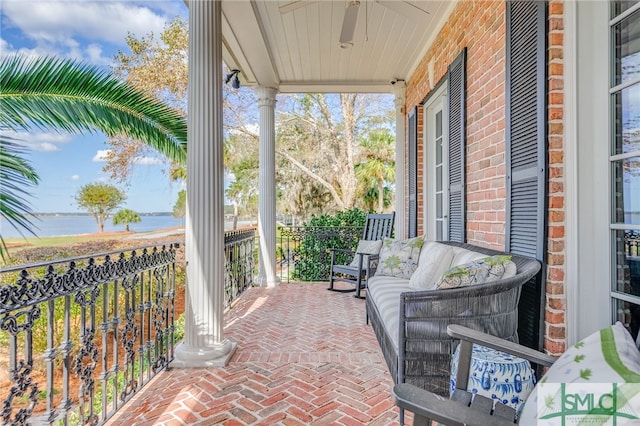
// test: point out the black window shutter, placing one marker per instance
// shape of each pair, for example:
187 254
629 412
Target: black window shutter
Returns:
456 80
413 172
526 134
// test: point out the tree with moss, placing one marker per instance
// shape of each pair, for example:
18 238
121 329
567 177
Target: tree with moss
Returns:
100 200
125 217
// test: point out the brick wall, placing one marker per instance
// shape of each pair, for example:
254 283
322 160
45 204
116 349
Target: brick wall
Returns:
555 325
480 27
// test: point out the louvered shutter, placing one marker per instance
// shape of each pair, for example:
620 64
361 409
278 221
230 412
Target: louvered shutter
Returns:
413 172
456 104
526 154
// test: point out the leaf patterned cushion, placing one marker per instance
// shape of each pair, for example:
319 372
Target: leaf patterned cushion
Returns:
368 247
477 272
399 258
605 357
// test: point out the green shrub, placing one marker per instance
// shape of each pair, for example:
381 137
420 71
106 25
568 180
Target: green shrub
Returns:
322 233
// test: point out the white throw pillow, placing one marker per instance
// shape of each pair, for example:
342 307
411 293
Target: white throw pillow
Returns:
368 247
435 260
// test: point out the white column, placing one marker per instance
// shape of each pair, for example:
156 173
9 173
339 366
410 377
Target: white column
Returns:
399 92
267 187
204 344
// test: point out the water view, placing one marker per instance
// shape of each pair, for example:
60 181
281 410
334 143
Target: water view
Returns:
54 225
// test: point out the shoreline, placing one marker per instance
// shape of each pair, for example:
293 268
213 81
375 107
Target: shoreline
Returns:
96 234
30 240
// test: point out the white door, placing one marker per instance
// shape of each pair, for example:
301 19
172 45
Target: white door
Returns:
436 164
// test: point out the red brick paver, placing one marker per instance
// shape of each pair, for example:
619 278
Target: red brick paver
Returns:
305 357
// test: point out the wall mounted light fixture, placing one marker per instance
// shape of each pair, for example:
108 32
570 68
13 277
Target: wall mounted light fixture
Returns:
233 75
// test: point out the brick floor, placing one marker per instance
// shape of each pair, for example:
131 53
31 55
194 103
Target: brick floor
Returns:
305 357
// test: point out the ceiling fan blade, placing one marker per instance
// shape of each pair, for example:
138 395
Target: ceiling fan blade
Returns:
349 23
406 9
290 7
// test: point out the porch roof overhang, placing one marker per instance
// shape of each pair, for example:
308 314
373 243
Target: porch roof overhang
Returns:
294 45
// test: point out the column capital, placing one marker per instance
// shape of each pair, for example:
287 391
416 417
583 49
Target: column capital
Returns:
399 89
266 96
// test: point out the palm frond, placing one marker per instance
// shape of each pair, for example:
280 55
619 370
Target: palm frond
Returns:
60 94
16 175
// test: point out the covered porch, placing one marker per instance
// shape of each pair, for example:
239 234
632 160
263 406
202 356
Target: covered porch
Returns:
280 47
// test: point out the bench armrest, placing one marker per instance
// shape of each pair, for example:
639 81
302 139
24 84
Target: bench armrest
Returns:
427 405
484 339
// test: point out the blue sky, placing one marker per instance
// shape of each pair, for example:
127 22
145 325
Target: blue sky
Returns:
92 32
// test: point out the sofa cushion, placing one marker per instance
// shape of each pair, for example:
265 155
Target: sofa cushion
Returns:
605 357
462 256
399 258
479 271
385 294
365 246
435 259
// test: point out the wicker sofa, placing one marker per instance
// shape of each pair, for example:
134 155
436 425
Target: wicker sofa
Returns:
411 325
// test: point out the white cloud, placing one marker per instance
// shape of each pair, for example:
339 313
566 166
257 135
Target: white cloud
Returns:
76 29
75 177
47 147
39 141
147 161
94 55
58 21
101 156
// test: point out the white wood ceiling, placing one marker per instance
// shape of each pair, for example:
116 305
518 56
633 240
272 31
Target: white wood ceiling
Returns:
299 51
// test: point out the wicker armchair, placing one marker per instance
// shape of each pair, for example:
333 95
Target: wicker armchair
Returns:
423 354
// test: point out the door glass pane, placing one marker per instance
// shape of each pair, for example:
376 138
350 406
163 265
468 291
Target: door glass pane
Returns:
439 151
627 247
438 124
626 203
627 119
627 49
438 178
621 6
439 206
629 315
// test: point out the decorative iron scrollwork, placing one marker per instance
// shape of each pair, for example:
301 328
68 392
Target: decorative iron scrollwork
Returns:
23 384
54 291
20 374
85 363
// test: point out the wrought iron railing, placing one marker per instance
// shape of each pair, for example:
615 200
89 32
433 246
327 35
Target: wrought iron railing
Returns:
82 335
303 252
239 263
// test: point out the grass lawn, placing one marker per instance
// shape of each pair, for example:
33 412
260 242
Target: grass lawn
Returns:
32 242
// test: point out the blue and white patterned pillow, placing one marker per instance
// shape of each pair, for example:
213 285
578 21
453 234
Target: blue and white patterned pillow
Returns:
399 258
